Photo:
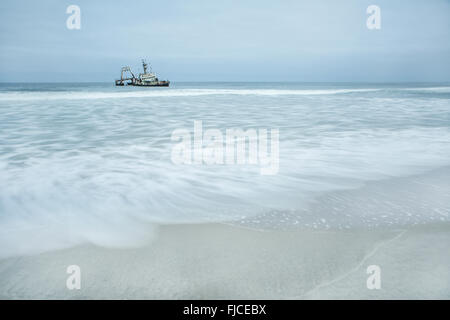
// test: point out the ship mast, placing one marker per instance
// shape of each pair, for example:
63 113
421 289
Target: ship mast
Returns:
144 65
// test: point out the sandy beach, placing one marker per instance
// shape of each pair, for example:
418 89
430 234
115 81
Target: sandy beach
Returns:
214 261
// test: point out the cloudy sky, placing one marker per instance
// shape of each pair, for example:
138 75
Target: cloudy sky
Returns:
245 40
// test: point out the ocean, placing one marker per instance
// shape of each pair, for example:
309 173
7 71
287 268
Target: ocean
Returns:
93 163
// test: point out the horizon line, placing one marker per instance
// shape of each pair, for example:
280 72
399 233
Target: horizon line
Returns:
225 81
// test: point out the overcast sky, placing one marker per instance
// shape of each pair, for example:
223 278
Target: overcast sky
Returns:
321 40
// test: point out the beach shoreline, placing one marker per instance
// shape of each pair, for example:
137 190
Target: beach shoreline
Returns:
89 181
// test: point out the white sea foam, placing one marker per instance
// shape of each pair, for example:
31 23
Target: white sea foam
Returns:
429 89
101 172
112 196
149 93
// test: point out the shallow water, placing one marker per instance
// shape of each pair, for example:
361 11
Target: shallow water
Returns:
92 162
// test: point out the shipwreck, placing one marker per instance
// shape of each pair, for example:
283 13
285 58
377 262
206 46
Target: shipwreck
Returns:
146 79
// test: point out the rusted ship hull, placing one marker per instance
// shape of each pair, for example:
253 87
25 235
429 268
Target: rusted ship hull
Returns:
159 84
143 84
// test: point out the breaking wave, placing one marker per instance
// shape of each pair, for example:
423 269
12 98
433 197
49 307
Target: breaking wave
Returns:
79 95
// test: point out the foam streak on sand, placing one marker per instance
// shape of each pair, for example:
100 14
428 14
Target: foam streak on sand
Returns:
354 269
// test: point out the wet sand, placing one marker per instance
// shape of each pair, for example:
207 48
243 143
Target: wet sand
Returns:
216 261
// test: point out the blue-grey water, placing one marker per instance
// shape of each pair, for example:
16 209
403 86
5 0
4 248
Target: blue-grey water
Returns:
91 163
